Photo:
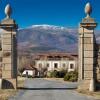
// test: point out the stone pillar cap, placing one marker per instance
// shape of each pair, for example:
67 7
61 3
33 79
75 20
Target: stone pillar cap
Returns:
8 11
88 9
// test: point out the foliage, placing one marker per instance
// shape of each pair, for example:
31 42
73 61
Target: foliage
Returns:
71 76
56 74
22 62
20 70
28 76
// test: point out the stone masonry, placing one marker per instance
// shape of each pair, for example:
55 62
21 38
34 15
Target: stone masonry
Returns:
8 31
87 52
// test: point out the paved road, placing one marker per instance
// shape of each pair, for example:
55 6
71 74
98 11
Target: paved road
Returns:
41 89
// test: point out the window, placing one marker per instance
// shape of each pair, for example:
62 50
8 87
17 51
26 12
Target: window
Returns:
64 65
55 65
40 65
47 65
71 66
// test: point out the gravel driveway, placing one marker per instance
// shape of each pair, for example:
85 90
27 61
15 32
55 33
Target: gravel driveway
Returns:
42 89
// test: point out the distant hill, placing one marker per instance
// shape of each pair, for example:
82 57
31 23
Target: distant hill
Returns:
42 38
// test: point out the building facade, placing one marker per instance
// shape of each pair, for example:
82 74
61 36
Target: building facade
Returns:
56 61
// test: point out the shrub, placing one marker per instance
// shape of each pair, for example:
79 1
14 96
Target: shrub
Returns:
67 77
52 74
62 73
28 76
71 76
48 75
56 74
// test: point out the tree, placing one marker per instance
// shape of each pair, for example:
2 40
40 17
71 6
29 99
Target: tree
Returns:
23 62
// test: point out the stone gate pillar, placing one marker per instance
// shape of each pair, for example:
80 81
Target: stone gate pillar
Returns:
8 31
87 61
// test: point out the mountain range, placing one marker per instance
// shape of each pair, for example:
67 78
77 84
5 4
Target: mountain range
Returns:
47 38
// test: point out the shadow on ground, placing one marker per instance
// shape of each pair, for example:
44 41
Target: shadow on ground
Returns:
25 88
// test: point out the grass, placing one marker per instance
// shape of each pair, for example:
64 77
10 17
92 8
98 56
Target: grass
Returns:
21 81
6 93
96 95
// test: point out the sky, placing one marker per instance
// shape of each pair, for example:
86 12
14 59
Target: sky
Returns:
67 13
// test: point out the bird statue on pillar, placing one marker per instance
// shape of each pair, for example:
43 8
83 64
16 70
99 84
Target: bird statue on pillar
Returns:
8 11
88 10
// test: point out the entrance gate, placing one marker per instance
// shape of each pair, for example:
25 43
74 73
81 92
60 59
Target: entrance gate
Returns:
87 50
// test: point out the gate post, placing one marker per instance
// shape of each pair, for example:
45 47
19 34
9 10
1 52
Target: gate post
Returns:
8 31
87 58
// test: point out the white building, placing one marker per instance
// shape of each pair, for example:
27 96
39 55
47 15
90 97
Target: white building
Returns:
56 61
29 71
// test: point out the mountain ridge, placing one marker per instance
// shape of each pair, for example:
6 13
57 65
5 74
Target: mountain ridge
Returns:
49 38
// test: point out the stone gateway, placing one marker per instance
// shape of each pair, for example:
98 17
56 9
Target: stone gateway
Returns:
88 53
8 31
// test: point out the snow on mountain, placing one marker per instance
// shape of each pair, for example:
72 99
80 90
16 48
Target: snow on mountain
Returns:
46 27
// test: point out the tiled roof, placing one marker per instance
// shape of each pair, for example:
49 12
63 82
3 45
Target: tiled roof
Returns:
55 55
29 67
